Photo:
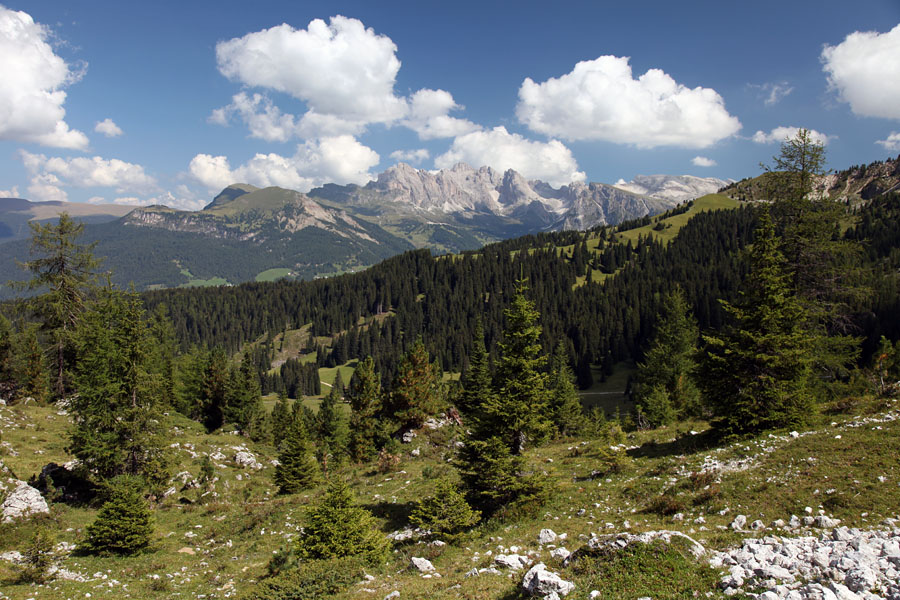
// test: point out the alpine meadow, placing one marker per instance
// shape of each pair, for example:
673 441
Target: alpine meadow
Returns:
478 374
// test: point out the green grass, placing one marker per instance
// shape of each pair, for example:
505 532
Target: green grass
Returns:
702 204
245 521
273 274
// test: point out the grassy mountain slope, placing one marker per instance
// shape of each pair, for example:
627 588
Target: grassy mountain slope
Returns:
218 544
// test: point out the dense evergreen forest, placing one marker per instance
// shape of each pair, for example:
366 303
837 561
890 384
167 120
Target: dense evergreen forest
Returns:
605 319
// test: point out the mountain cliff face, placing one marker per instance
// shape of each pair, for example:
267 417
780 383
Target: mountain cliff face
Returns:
672 188
492 203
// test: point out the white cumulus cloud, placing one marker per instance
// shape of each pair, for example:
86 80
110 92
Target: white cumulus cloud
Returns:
411 156
50 175
864 69
108 128
341 69
702 161
13 192
551 161
429 116
781 134
31 85
892 142
601 100
340 159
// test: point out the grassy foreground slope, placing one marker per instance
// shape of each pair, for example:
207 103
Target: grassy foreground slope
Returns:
218 544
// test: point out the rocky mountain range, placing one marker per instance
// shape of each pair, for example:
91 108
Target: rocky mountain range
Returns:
248 233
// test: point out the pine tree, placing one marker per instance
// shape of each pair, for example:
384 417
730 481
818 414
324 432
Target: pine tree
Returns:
364 396
296 470
756 373
336 528
333 434
124 524
65 273
565 406
664 388
117 410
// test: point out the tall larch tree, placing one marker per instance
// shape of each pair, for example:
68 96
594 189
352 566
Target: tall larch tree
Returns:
565 406
63 274
415 391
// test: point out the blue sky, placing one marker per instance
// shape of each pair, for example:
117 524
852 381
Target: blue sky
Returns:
169 101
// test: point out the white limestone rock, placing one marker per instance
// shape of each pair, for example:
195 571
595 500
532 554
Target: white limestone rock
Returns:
24 501
539 581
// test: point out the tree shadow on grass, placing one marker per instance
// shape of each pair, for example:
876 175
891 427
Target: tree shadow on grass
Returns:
685 444
395 513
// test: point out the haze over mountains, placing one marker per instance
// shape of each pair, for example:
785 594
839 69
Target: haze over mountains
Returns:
248 233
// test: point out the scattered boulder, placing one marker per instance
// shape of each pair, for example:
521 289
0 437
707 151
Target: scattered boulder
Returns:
739 523
24 501
539 581
423 565
247 460
547 536
515 562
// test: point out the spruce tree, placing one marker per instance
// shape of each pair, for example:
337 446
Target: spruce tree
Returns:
337 528
477 379
445 513
664 388
565 406
333 433
243 401
214 390
518 412
117 410
823 265
280 419
124 524
364 396
296 470
415 392
756 373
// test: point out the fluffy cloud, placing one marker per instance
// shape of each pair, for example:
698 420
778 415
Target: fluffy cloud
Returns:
702 161
108 128
31 96
411 156
13 192
551 161
429 116
892 142
339 159
601 100
50 175
341 69
781 134
864 69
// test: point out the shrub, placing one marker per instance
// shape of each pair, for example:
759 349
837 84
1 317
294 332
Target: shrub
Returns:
124 524
311 580
445 513
37 558
337 528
